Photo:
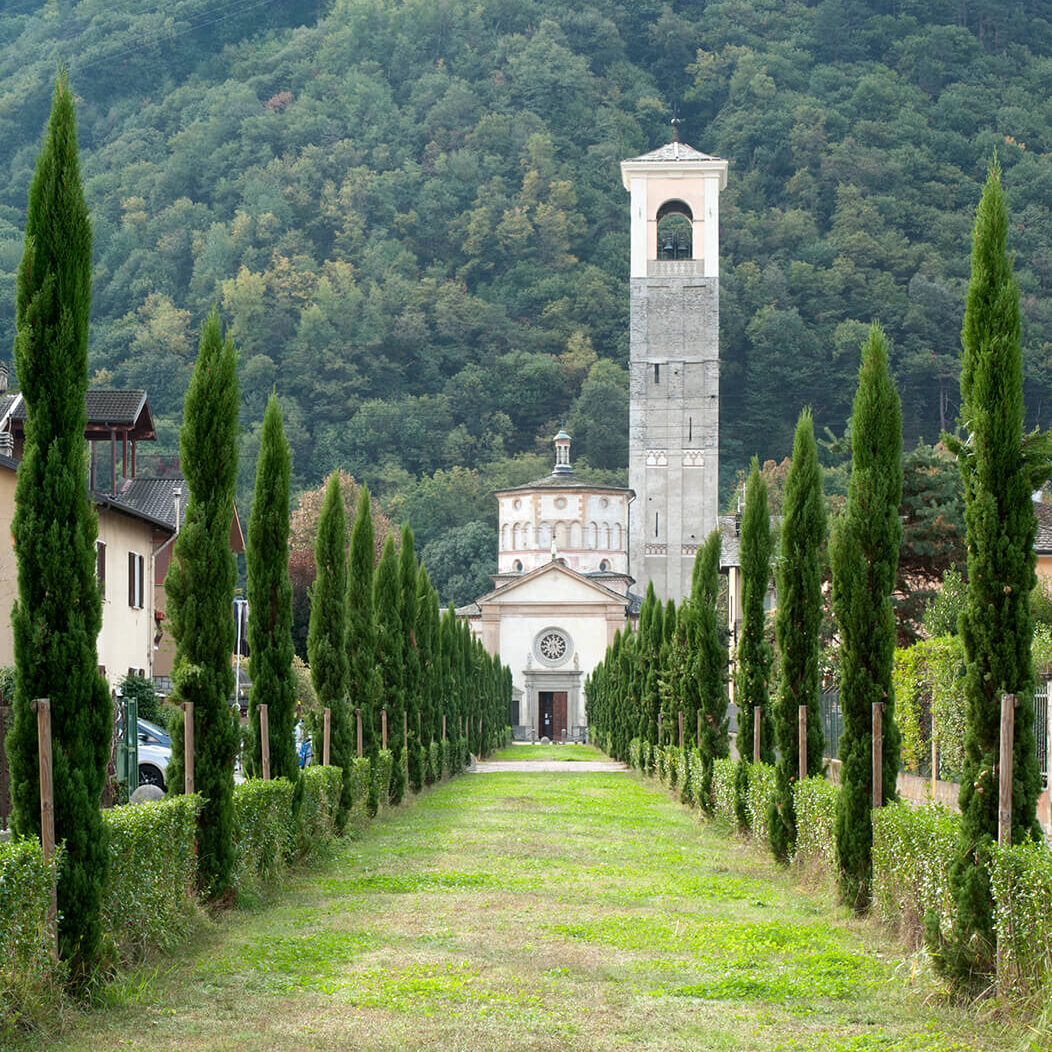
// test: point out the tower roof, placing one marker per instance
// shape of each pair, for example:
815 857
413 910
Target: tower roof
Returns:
675 151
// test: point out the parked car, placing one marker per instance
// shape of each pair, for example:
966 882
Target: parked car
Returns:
155 750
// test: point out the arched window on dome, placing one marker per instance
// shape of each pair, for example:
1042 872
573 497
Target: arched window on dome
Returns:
593 536
606 534
575 534
515 537
544 535
562 535
504 536
617 537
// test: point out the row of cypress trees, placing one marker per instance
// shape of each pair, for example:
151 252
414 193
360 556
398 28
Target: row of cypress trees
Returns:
377 643
674 663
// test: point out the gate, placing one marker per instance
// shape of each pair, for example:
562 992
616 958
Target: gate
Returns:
1041 729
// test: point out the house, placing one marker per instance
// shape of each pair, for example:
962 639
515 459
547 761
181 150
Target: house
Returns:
138 520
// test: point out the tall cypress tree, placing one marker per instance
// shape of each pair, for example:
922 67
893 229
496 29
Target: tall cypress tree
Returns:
753 671
270 601
390 653
58 614
407 570
362 682
999 469
864 552
327 637
200 589
710 664
796 628
754 652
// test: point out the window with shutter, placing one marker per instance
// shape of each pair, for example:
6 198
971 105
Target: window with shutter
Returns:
135 572
100 565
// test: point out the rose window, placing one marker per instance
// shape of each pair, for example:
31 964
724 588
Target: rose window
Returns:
552 647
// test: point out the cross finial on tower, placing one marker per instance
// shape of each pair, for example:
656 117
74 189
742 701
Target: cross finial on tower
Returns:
675 122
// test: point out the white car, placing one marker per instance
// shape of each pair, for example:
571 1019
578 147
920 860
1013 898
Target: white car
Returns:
155 750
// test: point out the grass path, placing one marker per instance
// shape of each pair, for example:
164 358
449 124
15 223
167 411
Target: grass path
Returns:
536 911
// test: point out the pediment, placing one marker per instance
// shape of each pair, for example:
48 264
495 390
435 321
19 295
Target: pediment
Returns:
552 583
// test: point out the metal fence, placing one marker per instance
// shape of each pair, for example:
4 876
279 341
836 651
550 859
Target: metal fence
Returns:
833 726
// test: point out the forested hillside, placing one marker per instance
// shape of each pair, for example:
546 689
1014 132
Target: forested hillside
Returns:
411 214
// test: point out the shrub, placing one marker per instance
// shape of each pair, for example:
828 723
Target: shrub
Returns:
447 758
723 776
635 755
27 973
672 772
645 754
761 797
690 776
147 900
1021 881
319 809
815 801
912 851
264 834
381 773
434 761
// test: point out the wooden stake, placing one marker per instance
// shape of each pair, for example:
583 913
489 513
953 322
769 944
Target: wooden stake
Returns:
757 712
358 720
326 737
878 754
1004 798
443 726
188 748
264 741
383 728
802 735
47 808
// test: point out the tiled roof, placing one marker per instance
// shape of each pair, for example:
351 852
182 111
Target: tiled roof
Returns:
150 498
675 151
106 407
730 541
1043 541
567 481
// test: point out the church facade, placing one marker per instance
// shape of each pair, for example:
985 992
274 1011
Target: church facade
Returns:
574 558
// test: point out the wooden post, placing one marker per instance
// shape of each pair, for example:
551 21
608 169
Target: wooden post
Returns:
383 728
1004 797
443 726
326 738
358 720
188 748
264 740
681 728
47 808
802 740
757 712
934 757
878 754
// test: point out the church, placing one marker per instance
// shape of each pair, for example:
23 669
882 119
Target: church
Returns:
575 558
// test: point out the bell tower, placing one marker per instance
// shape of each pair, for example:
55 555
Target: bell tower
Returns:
674 406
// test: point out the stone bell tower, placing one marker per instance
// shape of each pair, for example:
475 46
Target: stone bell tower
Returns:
674 408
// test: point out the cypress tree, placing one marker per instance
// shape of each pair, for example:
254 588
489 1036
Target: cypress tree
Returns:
796 628
58 614
407 571
999 469
754 652
864 553
327 637
390 652
270 602
363 683
710 664
200 589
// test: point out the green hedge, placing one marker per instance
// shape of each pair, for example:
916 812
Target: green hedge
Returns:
761 793
635 759
264 832
815 800
723 775
148 900
27 974
322 787
1021 879
361 775
912 851
382 768
434 763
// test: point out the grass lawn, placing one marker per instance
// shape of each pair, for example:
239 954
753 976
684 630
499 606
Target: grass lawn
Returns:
549 752
543 912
